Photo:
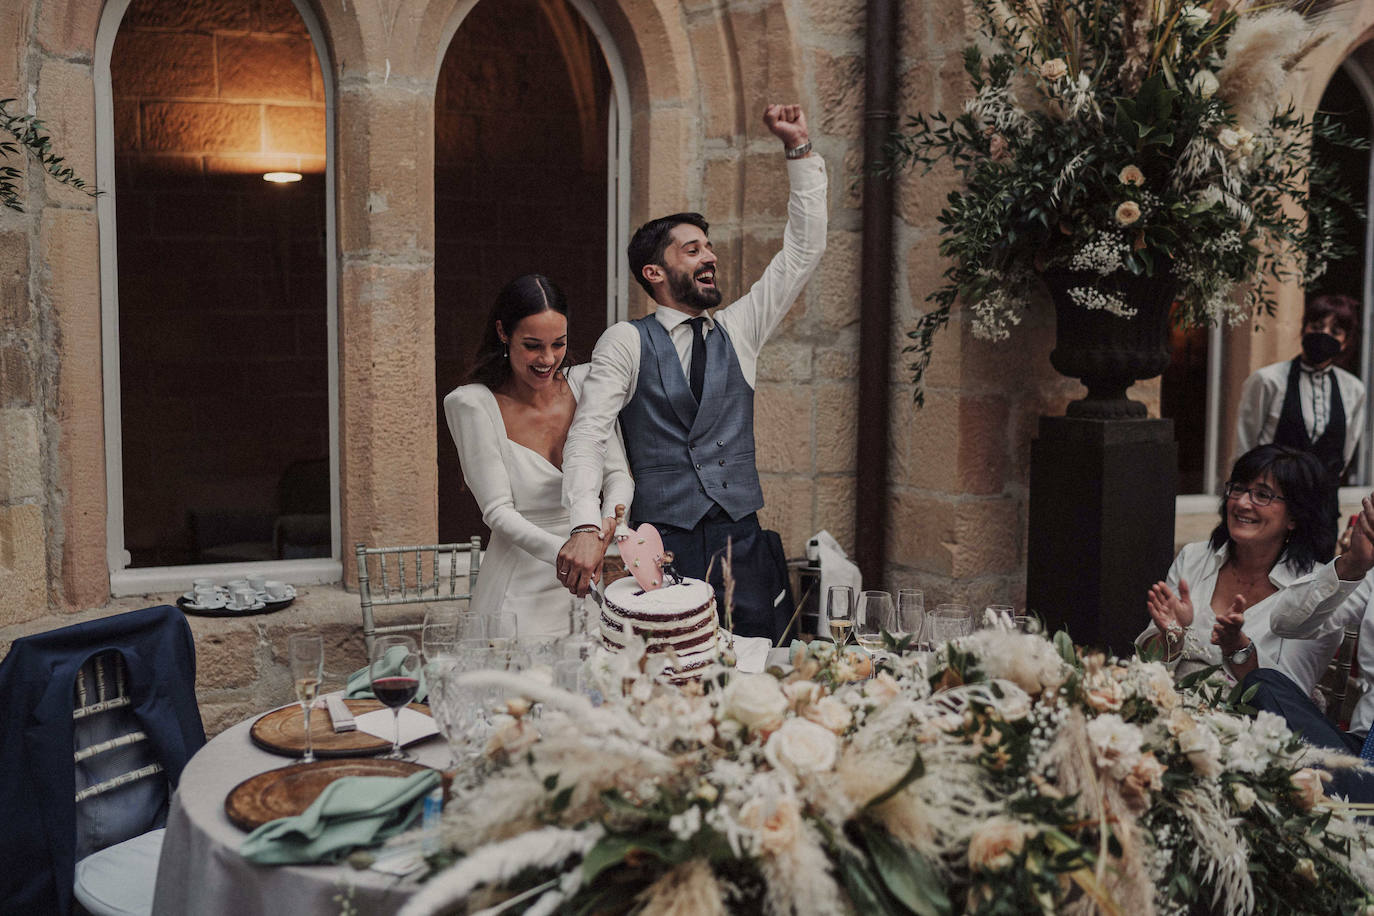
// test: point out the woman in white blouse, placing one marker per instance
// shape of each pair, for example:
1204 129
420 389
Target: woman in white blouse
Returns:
1268 556
509 425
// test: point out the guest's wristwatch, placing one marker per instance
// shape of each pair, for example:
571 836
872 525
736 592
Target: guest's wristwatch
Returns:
1241 655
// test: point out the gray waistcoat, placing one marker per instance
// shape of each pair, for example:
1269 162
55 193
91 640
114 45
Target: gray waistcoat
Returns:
684 458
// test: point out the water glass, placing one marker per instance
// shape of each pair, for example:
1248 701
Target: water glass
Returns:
949 621
501 628
998 616
875 616
911 614
305 655
839 613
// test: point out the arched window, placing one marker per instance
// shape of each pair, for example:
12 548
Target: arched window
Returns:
529 178
218 290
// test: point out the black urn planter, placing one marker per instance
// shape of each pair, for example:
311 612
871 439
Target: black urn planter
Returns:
1107 352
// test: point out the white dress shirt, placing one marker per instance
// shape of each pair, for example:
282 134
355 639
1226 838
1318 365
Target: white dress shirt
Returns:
1261 403
1302 660
1324 622
749 320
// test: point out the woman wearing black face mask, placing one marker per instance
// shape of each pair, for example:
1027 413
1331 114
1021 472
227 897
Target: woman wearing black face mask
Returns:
1307 402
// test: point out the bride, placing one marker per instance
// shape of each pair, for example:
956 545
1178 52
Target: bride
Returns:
509 425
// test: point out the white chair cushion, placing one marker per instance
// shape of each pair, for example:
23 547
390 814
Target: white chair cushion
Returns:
119 880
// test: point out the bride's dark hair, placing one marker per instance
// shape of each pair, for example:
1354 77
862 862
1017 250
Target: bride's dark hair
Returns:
520 298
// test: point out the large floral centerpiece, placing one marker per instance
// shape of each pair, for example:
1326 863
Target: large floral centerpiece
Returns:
1109 139
1005 774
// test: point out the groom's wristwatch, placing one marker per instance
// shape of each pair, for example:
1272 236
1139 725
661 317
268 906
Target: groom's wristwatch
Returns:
1241 655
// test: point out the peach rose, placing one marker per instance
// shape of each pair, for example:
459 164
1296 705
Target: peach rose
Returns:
1131 175
1307 785
829 713
996 842
1054 69
777 825
1127 213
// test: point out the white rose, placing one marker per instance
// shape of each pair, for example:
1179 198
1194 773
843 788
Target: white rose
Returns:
1054 69
829 713
882 689
1204 84
1202 748
995 842
777 825
1244 796
755 701
1228 138
1015 708
801 746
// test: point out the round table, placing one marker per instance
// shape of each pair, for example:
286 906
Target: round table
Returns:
201 871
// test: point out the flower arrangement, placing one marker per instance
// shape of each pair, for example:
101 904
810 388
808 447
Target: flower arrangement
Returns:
1007 773
1129 137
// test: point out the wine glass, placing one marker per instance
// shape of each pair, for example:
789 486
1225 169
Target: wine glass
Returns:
875 615
305 655
839 612
911 614
395 675
949 621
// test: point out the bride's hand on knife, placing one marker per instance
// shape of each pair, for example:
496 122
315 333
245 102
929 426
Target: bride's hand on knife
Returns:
579 561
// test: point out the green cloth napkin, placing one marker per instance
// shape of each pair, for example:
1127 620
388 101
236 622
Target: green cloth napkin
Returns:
350 812
360 682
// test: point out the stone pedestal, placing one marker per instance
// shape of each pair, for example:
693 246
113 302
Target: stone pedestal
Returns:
1101 525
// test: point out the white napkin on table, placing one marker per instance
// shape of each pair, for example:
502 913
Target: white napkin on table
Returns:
414 725
836 569
751 653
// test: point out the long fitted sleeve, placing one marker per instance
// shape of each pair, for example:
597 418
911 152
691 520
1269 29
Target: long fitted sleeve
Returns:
484 470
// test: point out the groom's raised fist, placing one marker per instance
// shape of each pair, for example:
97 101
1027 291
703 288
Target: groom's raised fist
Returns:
787 123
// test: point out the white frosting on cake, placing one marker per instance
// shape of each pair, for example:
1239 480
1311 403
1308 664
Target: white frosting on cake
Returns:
681 617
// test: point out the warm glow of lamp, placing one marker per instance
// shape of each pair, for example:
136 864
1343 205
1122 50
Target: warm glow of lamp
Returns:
281 177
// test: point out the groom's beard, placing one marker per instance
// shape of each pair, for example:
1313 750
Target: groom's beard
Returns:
684 289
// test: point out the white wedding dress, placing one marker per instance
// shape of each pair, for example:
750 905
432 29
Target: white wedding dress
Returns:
520 494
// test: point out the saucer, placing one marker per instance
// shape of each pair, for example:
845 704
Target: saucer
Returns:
267 597
212 606
256 606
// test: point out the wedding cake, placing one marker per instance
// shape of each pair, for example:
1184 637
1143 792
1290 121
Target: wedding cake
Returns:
679 617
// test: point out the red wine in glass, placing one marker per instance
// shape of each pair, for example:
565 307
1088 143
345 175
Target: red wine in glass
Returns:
395 692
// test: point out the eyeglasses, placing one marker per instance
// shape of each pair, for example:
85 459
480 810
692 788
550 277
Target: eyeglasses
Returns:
1260 496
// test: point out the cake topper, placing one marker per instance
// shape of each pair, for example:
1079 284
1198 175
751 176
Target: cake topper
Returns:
642 550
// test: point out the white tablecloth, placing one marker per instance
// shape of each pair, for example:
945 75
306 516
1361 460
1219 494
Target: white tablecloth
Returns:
202 874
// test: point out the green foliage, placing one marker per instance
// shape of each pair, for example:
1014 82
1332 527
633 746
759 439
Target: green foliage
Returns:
1091 146
29 135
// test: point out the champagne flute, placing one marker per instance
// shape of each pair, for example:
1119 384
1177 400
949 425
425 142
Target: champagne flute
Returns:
305 655
875 615
839 612
395 675
911 614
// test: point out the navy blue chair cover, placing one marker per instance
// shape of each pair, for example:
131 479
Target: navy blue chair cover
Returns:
37 773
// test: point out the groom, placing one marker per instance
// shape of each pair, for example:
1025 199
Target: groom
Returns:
681 382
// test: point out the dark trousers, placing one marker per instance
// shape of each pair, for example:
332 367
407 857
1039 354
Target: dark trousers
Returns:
1278 694
762 595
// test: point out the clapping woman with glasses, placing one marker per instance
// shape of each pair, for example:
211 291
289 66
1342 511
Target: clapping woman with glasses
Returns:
1271 552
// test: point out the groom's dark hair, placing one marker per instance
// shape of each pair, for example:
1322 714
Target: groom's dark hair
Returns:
651 240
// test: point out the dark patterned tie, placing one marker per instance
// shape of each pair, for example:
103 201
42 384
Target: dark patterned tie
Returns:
697 374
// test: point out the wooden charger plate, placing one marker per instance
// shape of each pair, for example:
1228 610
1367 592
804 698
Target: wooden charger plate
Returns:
282 731
288 791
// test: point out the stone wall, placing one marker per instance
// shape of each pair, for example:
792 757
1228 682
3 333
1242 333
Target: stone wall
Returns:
697 76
